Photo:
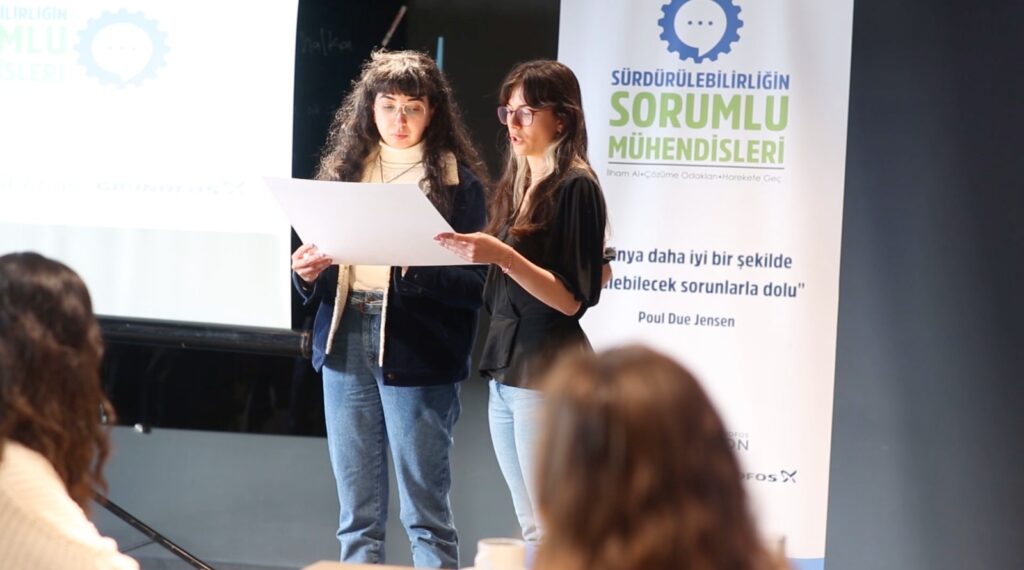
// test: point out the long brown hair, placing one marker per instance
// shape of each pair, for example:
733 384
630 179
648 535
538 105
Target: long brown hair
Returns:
545 84
635 471
353 134
50 351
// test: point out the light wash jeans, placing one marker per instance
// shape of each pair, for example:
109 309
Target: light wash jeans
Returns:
364 419
514 417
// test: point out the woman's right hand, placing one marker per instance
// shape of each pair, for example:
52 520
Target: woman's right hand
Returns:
308 262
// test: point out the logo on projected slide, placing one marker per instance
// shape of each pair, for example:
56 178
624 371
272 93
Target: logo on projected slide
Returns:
700 29
122 48
780 476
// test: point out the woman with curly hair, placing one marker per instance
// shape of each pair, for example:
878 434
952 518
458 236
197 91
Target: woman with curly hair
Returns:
54 439
393 342
636 473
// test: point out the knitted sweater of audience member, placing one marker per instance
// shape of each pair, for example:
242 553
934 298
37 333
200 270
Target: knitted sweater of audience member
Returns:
41 527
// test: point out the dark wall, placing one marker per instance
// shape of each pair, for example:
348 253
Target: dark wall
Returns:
332 42
483 39
926 460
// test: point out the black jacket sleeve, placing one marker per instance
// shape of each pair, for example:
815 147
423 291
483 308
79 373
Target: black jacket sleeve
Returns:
325 284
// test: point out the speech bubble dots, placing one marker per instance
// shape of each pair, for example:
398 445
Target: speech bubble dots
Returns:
122 49
701 24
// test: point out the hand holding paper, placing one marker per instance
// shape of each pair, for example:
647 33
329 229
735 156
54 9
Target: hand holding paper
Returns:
308 262
476 247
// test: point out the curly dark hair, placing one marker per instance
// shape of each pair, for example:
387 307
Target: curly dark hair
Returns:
636 473
545 84
51 400
353 134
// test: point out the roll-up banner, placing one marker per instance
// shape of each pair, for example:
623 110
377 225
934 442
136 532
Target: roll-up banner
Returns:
718 131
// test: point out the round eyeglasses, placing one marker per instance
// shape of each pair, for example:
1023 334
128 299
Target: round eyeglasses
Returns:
411 111
522 115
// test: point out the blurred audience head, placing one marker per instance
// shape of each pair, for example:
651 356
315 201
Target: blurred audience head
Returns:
636 473
51 400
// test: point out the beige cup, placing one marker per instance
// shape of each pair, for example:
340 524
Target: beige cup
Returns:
500 554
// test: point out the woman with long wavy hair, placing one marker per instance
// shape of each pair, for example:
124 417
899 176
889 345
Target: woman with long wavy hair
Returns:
545 241
394 342
54 437
636 472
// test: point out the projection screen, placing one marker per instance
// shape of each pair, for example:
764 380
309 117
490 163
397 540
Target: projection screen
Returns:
133 141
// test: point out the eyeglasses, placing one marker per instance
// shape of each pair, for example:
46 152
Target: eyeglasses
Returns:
523 115
411 111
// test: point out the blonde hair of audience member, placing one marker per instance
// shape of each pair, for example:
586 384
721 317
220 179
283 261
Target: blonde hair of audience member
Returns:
636 473
51 400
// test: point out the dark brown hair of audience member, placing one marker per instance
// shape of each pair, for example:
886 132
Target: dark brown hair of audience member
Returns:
51 400
546 84
636 473
353 134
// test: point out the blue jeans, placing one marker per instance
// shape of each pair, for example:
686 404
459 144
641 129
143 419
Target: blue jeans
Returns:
514 417
364 419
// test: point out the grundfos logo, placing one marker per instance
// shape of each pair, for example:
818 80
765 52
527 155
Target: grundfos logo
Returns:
780 476
700 29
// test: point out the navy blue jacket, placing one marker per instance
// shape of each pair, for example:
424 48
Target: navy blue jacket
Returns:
431 311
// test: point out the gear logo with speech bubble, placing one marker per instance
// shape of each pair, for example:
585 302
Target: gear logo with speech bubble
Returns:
700 30
122 48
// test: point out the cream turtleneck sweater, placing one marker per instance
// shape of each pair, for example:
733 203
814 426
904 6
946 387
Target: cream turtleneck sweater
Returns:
40 526
390 165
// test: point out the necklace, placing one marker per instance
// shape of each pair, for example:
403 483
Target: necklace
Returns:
380 165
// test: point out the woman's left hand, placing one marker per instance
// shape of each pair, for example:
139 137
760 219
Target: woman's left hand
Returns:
476 247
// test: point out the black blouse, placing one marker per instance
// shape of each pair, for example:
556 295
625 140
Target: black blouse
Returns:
525 334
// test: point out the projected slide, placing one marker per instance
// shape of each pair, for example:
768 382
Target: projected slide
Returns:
133 139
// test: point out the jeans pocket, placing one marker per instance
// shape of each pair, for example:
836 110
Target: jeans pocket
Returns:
371 336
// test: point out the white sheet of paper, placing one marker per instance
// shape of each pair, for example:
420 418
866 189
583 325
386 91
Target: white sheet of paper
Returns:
365 224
